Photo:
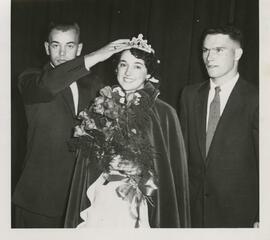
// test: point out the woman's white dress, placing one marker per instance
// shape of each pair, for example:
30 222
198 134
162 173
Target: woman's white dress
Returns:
108 209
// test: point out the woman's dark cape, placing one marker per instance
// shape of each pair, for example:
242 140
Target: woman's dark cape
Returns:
171 201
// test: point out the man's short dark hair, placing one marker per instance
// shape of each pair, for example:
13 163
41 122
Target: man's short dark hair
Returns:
64 26
234 33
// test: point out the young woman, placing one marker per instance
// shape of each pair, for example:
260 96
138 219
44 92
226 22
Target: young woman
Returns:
136 174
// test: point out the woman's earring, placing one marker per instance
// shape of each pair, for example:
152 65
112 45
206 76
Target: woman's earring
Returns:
153 80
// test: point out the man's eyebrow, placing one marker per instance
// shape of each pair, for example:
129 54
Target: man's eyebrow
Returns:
221 47
72 42
54 42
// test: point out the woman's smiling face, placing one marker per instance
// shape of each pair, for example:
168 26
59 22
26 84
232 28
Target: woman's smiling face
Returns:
131 72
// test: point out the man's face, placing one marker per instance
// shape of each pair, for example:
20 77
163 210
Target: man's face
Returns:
63 46
221 56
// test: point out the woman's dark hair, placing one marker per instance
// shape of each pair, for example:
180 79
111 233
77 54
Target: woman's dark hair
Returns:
150 60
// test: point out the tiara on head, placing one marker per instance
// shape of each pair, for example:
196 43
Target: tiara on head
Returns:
141 44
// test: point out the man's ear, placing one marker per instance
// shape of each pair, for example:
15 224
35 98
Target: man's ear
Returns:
238 54
46 45
79 49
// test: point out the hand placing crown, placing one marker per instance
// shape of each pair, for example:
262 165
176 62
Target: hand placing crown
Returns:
141 44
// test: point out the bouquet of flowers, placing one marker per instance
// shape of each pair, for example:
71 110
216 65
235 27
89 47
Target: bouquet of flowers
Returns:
113 134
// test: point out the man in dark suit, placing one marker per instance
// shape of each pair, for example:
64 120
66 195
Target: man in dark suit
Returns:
220 126
52 100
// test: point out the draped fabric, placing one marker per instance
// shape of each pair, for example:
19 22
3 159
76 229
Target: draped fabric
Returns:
115 203
85 174
172 200
170 207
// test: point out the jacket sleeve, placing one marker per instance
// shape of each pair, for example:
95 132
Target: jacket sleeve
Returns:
38 85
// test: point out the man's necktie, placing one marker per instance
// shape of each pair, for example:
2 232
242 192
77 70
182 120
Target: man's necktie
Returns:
214 115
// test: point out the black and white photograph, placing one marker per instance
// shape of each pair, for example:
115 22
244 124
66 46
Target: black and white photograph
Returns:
129 114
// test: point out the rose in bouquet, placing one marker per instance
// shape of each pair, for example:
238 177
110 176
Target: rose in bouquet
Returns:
113 134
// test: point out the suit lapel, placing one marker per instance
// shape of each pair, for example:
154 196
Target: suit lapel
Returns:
200 115
66 95
68 99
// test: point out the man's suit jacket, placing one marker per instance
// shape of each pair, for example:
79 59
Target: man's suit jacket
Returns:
224 186
44 183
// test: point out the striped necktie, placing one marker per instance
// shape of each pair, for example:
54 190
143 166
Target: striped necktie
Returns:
214 115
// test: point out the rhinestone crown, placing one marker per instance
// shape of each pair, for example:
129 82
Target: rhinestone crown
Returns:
141 44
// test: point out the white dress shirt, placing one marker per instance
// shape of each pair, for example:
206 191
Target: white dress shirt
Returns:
75 94
225 91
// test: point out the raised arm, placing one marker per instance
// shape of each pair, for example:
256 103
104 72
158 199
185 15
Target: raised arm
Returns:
38 85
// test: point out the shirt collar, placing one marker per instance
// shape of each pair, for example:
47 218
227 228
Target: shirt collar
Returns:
52 65
227 84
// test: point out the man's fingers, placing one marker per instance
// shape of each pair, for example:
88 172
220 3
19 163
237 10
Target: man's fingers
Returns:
121 41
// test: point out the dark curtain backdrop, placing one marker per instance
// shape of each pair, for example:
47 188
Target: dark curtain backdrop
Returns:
173 27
